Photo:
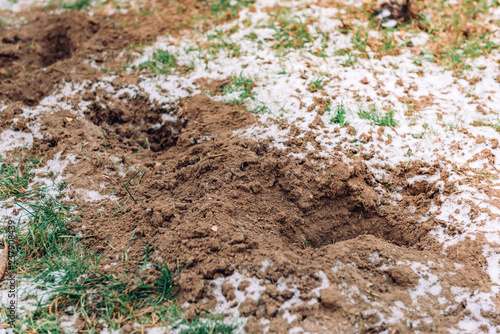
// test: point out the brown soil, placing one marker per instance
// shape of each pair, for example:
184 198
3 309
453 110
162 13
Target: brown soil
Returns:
213 204
51 48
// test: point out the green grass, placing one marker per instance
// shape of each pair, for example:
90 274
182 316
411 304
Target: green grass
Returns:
14 180
495 123
210 325
316 85
55 259
46 244
116 299
241 86
458 33
455 56
49 324
378 118
227 9
47 230
291 31
162 62
240 90
75 5
340 115
360 39
260 108
350 61
218 42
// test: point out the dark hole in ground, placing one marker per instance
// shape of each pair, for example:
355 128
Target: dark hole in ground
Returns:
36 55
134 121
44 41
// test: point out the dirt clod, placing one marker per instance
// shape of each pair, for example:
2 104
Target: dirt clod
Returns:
248 307
331 298
403 275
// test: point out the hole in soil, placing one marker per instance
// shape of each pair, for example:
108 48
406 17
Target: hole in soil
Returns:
260 198
134 123
255 195
243 186
317 209
56 45
43 42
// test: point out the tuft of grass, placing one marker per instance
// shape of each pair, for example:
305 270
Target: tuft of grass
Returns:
377 118
48 227
495 123
212 325
227 9
48 324
240 91
240 87
261 108
340 115
14 180
316 85
291 32
50 252
75 5
96 295
220 42
162 62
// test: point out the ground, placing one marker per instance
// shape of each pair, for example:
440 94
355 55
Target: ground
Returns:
250 166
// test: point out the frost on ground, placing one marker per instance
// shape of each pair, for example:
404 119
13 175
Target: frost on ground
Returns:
424 135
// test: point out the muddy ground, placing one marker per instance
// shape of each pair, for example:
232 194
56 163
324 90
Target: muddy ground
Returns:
214 204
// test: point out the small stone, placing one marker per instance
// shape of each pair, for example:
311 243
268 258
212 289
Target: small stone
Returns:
127 328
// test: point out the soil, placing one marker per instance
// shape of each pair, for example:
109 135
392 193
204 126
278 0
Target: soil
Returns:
212 204
52 48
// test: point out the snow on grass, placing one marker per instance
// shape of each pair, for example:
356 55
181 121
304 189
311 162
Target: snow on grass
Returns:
18 5
29 292
117 5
